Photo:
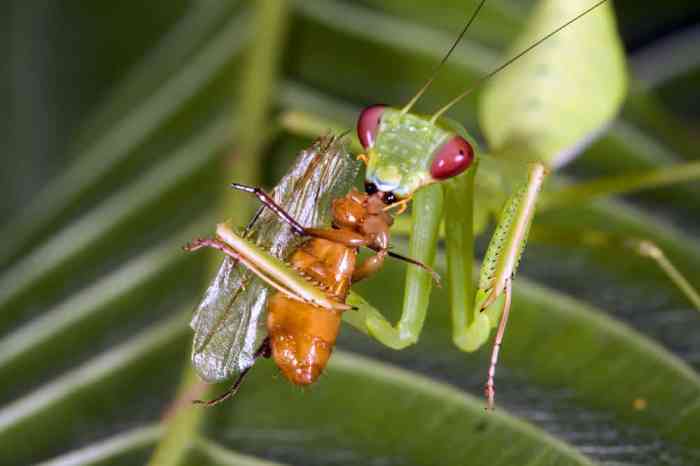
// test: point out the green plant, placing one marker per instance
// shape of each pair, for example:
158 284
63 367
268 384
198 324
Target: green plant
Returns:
96 293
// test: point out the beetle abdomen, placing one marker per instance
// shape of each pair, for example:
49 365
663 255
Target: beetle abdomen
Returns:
302 337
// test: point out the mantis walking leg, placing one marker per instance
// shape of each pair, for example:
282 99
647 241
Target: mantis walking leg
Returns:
268 268
628 183
490 388
646 248
497 271
508 241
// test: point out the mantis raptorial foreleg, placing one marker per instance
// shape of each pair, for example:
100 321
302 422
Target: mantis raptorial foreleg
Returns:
427 208
349 239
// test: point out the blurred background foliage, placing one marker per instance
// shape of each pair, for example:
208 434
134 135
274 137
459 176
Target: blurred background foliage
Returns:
124 122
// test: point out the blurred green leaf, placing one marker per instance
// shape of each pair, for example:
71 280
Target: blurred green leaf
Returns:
95 290
554 83
415 421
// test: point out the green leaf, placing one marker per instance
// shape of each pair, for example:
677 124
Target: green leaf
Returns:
418 420
577 78
560 342
137 136
70 246
114 450
96 290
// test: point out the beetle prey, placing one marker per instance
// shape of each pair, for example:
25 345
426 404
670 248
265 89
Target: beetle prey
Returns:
303 316
229 324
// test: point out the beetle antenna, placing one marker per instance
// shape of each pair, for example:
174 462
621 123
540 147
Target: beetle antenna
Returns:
427 268
433 75
492 73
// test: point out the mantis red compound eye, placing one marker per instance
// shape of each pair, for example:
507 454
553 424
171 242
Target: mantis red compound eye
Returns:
368 124
455 156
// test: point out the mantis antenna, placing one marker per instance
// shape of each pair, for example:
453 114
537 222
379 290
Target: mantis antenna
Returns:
433 75
492 73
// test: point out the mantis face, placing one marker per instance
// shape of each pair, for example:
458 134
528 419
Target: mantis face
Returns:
406 152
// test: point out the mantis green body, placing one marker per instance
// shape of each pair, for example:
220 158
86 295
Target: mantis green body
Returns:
401 161
433 162
401 158
532 129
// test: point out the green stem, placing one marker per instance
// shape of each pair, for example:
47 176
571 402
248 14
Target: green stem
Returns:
182 422
583 192
312 126
258 87
255 98
598 239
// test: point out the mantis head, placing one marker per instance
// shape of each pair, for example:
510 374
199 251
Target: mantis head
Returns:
406 152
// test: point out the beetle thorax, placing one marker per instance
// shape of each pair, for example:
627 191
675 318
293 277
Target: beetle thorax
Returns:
366 215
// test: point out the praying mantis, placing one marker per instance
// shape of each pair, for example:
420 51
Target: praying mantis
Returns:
432 163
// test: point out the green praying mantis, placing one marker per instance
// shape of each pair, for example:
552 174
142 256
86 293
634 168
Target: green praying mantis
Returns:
433 163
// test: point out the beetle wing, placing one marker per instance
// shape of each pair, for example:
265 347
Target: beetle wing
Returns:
229 322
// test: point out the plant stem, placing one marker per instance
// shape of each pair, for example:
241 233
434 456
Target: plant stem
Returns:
255 97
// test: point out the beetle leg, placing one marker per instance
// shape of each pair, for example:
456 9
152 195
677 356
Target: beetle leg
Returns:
264 351
270 203
347 238
344 237
402 205
369 267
